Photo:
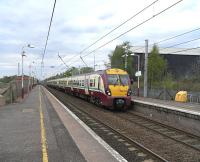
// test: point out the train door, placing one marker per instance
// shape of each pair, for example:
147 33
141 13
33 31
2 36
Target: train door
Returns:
86 85
99 80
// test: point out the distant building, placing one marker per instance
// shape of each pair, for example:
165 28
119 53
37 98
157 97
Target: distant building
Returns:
181 61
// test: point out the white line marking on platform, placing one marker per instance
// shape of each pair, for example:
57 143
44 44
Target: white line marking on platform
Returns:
114 153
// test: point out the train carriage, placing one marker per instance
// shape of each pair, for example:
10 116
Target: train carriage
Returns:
110 88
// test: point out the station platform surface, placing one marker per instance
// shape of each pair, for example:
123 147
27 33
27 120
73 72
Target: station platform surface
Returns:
40 128
191 108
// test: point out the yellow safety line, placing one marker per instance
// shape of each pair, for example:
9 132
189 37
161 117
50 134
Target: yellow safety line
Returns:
43 132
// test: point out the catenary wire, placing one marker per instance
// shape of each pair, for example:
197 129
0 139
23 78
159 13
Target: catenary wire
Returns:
188 49
131 29
145 8
134 27
119 25
166 39
45 47
181 43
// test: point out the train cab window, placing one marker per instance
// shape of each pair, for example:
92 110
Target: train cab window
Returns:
113 79
124 79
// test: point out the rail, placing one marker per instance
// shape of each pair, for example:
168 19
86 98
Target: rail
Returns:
86 117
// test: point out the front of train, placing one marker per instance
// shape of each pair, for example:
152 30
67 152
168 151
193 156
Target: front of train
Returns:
118 89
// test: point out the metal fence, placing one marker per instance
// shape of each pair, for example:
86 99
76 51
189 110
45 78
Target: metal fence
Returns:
12 91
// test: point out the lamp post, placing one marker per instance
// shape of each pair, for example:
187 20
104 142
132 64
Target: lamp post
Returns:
138 75
23 54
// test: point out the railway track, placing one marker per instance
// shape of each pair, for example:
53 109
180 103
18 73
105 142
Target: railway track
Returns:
127 147
175 134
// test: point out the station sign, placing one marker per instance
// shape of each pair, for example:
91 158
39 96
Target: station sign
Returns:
138 73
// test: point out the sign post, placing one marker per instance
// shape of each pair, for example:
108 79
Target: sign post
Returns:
138 74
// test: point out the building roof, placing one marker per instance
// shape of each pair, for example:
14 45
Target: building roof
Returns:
172 51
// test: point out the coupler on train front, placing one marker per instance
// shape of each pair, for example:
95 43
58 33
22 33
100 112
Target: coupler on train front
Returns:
117 103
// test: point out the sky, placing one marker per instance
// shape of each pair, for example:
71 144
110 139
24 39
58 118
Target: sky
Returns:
77 24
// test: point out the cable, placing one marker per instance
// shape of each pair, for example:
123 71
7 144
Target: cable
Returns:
114 29
185 50
134 27
48 32
164 40
62 60
177 35
120 25
181 43
83 61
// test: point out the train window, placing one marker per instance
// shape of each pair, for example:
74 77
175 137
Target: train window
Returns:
124 79
83 83
87 82
91 82
113 79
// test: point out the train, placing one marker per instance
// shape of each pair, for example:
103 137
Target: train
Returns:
110 88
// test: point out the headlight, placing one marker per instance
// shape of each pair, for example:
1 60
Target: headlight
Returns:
129 92
108 92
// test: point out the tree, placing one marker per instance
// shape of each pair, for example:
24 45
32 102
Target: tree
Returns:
7 79
156 67
117 61
86 70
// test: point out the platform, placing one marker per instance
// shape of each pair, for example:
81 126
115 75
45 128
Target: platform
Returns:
189 108
185 116
40 128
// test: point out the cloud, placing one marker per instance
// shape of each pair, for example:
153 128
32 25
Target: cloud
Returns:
77 24
106 16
